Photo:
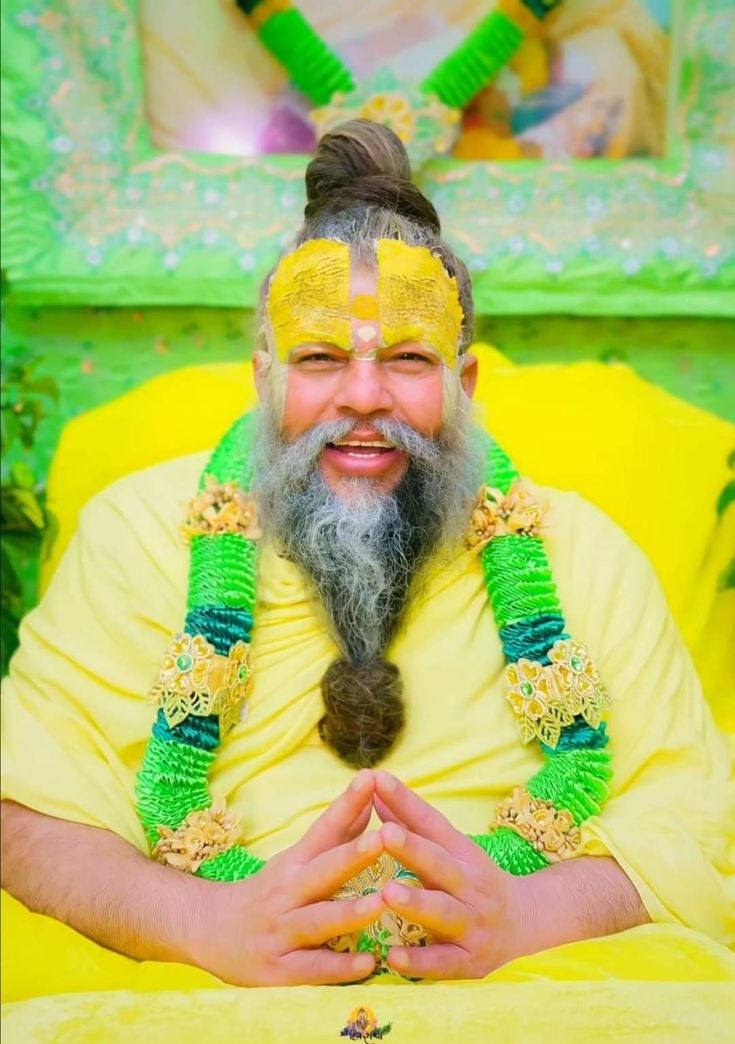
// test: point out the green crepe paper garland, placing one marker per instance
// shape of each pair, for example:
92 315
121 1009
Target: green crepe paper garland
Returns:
173 779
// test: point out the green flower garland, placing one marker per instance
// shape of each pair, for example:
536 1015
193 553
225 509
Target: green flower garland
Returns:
553 684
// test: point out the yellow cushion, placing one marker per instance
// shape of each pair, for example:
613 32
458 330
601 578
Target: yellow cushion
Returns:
653 462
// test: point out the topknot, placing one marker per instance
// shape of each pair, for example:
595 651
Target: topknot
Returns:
365 163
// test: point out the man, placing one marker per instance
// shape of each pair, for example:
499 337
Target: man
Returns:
373 646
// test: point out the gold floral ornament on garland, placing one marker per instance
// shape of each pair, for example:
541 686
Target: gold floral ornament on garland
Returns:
194 679
537 702
203 835
549 829
547 698
221 507
579 679
513 514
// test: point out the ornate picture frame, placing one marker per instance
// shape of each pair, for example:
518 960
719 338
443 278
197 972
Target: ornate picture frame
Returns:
94 214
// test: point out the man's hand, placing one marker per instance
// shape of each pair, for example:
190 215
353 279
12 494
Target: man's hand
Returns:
269 929
467 902
479 915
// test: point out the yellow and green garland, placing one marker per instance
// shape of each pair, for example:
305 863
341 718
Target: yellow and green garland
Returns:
203 686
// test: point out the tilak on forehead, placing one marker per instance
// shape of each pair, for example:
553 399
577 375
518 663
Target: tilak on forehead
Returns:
310 301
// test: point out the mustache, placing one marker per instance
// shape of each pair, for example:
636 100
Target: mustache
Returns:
305 450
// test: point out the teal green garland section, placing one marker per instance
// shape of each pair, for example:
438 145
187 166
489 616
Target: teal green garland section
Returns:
577 772
172 781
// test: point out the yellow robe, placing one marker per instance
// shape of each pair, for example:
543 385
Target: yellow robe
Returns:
76 721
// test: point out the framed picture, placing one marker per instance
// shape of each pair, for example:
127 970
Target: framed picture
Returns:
154 152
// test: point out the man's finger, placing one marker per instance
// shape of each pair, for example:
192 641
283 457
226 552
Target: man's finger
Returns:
318 923
439 961
332 826
431 862
387 815
446 918
359 823
320 878
322 967
421 817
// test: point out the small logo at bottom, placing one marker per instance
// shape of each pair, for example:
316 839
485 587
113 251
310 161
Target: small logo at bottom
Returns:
362 1024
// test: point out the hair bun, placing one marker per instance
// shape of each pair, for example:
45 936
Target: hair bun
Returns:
361 162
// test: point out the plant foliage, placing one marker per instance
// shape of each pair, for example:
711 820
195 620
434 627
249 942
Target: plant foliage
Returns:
24 399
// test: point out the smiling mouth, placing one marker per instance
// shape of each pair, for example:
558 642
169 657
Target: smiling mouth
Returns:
361 448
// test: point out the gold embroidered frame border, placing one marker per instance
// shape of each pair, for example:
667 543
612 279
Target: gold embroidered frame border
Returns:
94 214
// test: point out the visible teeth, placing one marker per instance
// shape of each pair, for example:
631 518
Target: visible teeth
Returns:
374 444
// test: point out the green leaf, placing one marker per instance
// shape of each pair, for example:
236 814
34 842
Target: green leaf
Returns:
8 637
21 475
727 578
44 386
50 534
20 510
11 588
10 429
726 497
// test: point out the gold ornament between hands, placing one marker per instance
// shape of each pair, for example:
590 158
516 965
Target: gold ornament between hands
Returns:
390 929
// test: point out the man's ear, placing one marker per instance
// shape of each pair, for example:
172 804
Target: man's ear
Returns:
261 366
468 375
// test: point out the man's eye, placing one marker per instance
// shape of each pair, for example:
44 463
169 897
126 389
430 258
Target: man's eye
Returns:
318 358
409 358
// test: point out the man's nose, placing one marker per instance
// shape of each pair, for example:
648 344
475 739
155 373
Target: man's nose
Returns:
363 388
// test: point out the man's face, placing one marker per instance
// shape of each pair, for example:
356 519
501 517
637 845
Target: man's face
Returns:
366 378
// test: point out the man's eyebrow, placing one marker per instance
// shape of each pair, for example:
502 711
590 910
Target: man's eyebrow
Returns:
312 346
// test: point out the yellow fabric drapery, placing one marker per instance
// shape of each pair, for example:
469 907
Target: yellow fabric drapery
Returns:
655 983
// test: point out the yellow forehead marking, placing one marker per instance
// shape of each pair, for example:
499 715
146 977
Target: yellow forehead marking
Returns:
365 306
309 297
419 300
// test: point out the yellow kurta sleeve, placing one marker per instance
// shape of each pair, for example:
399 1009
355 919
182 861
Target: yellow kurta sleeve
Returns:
75 717
670 818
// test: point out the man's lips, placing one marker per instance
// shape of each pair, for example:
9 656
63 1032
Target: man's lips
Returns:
362 447
356 456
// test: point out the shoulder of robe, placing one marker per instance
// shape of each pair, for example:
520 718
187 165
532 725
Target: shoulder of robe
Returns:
605 581
155 497
578 530
129 535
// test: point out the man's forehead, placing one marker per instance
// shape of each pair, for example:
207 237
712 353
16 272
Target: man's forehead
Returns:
320 289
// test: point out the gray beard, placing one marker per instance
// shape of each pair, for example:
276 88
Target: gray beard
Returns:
362 552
